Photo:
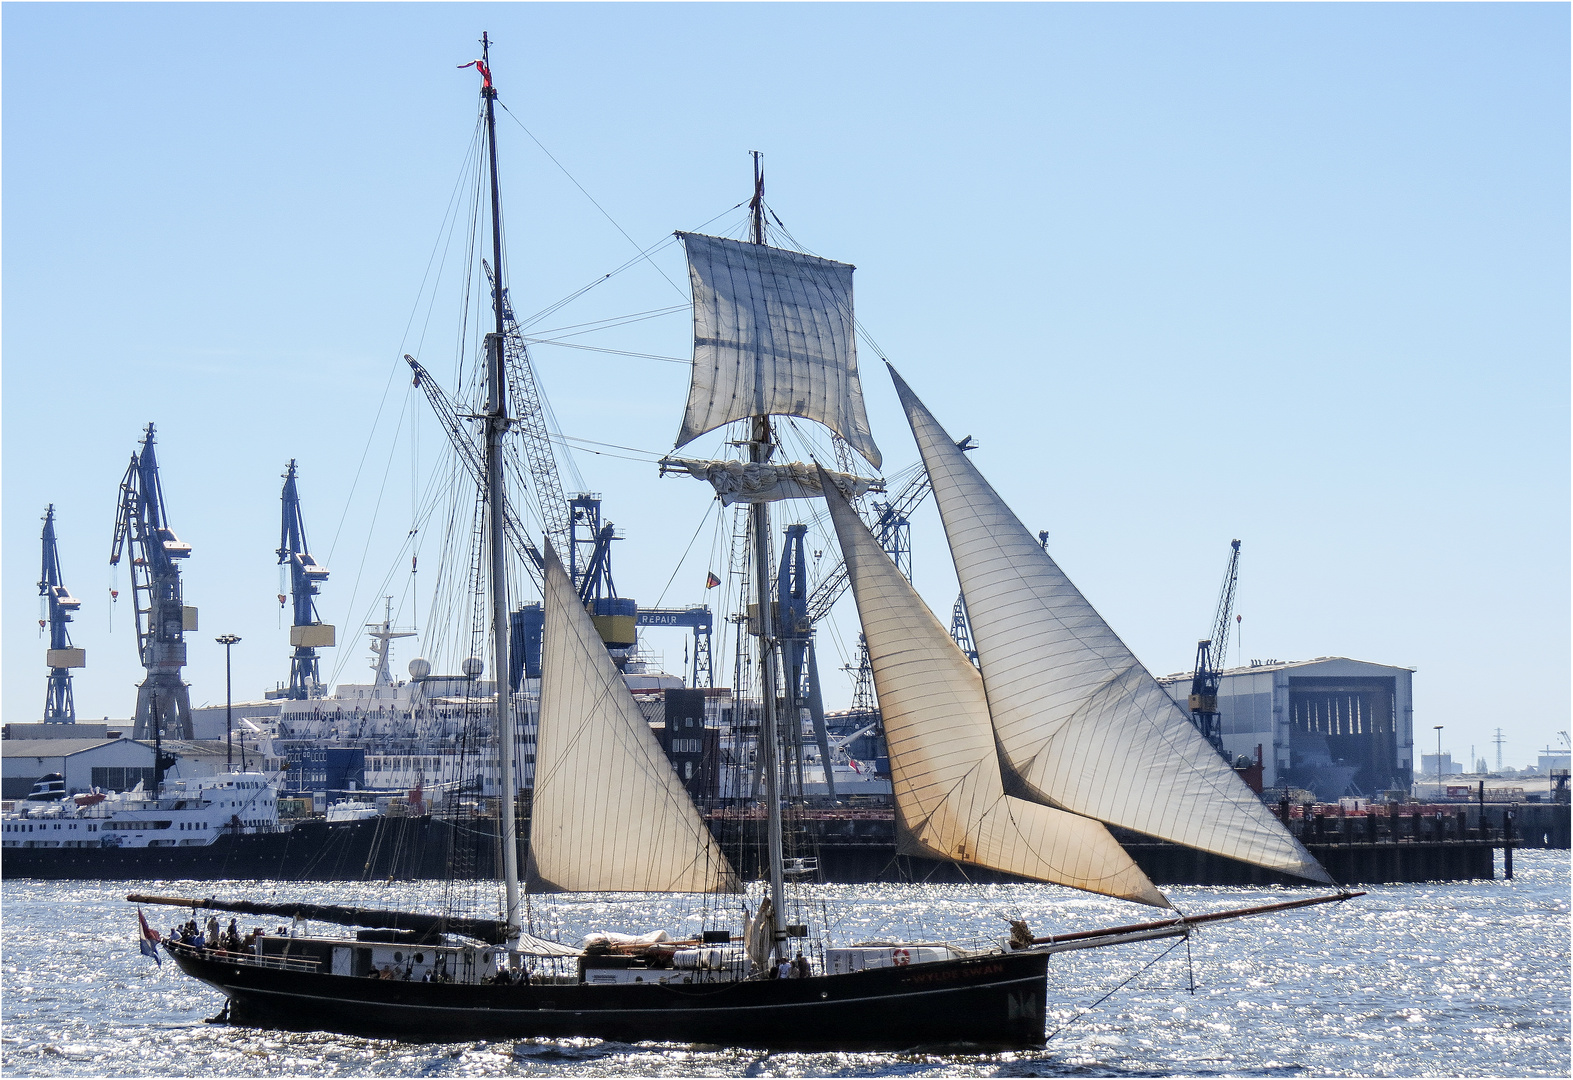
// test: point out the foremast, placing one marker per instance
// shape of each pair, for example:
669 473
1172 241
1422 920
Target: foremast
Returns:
759 448
496 417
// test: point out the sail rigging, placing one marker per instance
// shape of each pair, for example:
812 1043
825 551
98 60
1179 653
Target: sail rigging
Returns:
1080 723
750 482
610 813
773 336
950 800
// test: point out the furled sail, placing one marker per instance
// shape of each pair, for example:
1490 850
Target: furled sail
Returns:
950 801
753 481
610 814
773 334
1081 724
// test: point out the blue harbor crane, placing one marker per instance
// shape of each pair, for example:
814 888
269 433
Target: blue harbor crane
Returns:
590 550
795 630
696 617
961 630
162 617
307 633
59 708
1210 655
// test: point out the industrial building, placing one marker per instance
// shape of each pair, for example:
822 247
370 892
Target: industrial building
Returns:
1333 726
109 764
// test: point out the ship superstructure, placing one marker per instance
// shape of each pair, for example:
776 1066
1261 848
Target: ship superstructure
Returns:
194 812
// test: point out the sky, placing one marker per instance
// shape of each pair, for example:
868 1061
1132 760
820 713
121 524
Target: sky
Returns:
1293 274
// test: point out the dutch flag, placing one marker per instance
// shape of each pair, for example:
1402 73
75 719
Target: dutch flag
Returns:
148 938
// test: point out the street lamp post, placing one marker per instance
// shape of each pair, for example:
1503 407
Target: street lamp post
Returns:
1438 760
228 640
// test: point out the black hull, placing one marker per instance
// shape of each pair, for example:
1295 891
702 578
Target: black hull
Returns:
376 849
989 1002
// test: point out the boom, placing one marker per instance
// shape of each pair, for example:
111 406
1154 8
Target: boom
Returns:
470 455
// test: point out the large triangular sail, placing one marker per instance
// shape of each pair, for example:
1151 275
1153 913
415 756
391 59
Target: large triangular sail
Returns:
610 814
773 335
1081 724
950 801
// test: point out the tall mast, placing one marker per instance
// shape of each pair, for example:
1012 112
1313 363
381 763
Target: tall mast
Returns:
496 427
759 519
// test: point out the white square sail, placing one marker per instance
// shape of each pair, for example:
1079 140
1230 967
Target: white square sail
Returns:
773 335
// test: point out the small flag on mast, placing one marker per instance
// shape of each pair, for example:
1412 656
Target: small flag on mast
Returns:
711 581
486 75
148 939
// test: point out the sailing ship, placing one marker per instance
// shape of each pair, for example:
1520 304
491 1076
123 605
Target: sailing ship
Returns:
1017 764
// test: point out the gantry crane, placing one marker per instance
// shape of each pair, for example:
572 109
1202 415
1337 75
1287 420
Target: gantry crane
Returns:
307 633
795 630
142 526
1210 656
59 708
961 630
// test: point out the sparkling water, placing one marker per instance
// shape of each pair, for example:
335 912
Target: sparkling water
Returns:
1453 979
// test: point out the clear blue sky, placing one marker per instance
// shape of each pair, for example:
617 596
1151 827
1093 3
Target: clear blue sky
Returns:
1297 274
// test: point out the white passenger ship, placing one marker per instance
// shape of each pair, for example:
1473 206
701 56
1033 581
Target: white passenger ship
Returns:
193 812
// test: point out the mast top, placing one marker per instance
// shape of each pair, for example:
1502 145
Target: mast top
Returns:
484 66
756 205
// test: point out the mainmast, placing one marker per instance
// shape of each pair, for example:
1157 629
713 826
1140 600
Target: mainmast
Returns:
496 427
759 520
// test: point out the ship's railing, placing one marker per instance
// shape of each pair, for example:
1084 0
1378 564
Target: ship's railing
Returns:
279 963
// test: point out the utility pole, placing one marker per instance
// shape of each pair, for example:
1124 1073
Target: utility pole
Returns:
228 640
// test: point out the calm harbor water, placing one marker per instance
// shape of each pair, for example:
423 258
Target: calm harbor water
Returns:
1461 979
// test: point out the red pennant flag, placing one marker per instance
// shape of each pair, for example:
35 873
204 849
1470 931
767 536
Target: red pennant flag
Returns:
711 581
486 75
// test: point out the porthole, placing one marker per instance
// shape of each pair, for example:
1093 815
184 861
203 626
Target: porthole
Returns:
420 958
398 957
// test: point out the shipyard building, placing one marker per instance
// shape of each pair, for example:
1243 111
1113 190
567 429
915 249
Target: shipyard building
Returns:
1332 726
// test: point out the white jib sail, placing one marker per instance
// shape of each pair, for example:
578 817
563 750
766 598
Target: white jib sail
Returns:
610 813
950 800
1081 723
773 334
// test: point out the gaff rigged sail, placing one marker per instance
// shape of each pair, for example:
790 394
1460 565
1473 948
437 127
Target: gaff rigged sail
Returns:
773 335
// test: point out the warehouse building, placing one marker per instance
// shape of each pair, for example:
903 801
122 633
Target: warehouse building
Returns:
1333 726
109 764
